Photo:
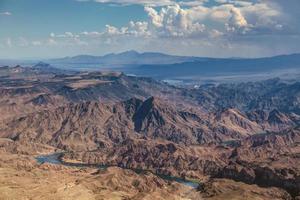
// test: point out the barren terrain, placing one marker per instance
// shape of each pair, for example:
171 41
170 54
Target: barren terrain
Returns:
238 141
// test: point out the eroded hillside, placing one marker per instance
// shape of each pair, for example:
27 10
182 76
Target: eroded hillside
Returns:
215 135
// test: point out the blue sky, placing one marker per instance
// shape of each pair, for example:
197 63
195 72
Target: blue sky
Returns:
216 28
37 18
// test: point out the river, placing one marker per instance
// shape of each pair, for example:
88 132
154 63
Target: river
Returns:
55 159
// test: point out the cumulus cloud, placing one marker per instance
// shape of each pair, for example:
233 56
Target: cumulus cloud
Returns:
196 19
132 29
184 26
237 22
186 21
237 19
139 29
112 30
174 21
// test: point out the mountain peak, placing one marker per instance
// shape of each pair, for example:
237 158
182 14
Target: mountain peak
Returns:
148 114
129 53
41 65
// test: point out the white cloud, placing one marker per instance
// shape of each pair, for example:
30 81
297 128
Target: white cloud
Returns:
91 34
193 18
79 42
182 27
241 3
156 19
215 33
51 42
69 34
6 13
198 21
36 43
8 42
192 3
237 22
139 29
237 19
112 30
22 42
64 35
174 21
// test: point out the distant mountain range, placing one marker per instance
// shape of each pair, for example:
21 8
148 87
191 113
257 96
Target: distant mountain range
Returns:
125 58
164 60
163 66
222 66
179 68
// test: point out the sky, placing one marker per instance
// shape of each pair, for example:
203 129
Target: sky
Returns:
213 28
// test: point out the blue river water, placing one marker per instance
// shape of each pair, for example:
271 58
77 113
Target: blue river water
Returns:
55 158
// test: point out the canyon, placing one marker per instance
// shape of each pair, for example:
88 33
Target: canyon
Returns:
239 139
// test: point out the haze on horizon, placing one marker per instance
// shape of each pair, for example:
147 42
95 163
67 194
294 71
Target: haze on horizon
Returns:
213 28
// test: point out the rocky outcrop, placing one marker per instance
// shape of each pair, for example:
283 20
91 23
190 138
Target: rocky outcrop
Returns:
42 99
267 160
227 189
